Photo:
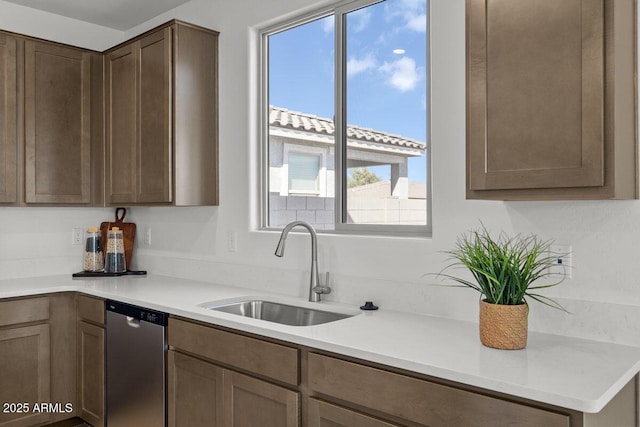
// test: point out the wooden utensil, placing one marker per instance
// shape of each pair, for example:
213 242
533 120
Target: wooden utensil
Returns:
128 233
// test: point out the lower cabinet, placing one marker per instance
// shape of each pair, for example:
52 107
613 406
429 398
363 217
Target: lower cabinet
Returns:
37 359
252 402
203 394
233 380
24 372
416 400
349 393
323 414
194 391
91 356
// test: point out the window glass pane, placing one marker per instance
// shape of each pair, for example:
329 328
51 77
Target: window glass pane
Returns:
386 113
384 101
301 103
303 173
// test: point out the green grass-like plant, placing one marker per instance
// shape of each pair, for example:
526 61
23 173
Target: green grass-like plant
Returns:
504 269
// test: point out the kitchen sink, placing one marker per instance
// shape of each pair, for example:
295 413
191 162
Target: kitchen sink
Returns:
278 312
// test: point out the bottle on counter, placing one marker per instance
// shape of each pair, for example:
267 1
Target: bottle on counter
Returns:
114 261
93 257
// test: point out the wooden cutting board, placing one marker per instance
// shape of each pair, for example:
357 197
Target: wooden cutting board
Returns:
128 234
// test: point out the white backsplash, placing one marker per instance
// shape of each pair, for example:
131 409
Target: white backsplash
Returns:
37 241
601 321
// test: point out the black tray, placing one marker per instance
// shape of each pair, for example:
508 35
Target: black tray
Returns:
103 274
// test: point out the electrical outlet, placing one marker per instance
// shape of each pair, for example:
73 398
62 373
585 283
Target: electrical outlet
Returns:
147 237
76 236
232 241
563 260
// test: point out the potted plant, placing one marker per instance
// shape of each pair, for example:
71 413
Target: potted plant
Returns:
504 270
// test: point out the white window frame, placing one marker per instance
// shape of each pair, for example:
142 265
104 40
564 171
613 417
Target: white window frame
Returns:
338 10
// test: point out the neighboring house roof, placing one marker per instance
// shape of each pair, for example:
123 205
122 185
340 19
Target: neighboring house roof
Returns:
283 118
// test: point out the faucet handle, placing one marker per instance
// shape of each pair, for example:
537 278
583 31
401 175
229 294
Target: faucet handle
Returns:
324 289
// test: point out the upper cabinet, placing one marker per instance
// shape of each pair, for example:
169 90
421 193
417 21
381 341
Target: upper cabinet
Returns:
50 123
57 124
550 99
136 125
8 119
161 118
138 121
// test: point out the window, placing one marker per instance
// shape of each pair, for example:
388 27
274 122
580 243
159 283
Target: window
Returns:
303 173
345 110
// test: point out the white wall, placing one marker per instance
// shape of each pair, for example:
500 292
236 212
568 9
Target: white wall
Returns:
33 22
603 295
37 241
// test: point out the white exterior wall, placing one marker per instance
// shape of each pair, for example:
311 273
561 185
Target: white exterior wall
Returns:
279 148
603 295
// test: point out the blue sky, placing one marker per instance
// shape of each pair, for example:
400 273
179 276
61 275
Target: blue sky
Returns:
386 70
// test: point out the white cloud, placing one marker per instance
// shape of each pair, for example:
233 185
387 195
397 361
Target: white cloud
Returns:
413 4
417 22
402 74
328 24
413 13
361 17
357 66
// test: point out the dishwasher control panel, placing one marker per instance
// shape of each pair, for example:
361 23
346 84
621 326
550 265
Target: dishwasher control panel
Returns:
139 313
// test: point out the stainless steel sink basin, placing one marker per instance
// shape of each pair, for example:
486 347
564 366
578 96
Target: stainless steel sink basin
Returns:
279 313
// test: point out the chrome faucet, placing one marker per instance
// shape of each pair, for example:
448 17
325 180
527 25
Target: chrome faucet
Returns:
315 289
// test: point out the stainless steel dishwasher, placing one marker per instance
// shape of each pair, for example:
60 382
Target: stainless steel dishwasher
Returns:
136 352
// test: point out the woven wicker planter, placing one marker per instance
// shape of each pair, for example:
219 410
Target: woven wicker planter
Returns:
504 326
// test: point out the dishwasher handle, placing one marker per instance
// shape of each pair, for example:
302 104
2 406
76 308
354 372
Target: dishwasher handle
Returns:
133 322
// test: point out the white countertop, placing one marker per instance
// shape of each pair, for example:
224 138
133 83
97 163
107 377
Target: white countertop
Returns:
568 372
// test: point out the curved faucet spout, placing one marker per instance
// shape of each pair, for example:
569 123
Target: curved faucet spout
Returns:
285 232
314 279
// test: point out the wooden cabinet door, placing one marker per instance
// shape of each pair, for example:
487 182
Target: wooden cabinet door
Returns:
323 414
203 394
419 401
535 94
194 392
195 120
139 150
252 402
8 117
121 125
57 124
24 372
64 354
91 373
154 119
